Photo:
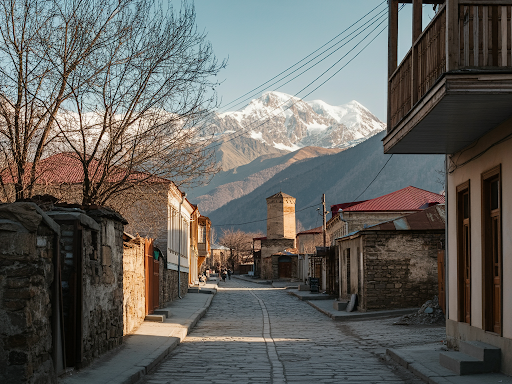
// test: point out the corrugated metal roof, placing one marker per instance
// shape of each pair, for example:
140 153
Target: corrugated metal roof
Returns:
406 199
432 218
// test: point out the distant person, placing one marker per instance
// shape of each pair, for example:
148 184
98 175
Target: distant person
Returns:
224 274
230 272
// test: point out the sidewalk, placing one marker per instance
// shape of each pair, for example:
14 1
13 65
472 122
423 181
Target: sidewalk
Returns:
423 361
149 345
324 303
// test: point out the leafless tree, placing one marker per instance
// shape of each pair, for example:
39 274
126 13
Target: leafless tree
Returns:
126 85
240 245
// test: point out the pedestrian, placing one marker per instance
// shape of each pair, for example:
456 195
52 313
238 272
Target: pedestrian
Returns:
224 274
230 272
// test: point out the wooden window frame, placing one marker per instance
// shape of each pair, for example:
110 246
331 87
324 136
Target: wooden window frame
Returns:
487 285
461 265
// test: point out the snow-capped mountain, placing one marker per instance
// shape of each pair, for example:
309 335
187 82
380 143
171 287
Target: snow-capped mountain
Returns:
287 122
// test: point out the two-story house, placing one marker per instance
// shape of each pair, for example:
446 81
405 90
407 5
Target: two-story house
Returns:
452 95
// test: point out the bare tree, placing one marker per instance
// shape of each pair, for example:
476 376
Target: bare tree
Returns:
240 245
125 85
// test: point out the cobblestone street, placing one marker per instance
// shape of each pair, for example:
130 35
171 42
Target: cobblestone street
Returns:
256 334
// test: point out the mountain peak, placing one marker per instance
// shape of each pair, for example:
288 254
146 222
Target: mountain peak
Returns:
287 122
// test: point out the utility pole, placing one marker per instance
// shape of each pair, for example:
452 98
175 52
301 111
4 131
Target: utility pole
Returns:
324 226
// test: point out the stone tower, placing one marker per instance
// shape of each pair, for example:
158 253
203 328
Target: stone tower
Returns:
281 216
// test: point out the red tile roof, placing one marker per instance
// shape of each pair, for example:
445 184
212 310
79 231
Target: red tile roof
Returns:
66 168
406 199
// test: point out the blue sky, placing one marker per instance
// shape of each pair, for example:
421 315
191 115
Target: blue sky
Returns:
262 38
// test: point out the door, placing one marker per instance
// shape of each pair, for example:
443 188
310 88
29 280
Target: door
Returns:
285 267
492 252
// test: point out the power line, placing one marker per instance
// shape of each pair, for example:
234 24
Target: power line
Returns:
287 69
244 129
368 186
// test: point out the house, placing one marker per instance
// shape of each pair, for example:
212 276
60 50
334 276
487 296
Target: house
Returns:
156 208
392 264
278 256
451 95
350 217
307 241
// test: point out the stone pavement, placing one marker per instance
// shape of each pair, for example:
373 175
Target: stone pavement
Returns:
254 333
148 346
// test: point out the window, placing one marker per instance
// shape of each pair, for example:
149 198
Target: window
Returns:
202 234
491 250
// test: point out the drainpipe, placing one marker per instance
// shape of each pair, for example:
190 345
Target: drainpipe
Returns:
183 196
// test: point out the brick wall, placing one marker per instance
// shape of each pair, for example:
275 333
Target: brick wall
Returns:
400 269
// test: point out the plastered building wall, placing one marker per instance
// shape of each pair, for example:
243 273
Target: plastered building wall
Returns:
469 164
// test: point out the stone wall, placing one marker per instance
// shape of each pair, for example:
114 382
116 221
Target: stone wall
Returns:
268 248
26 277
400 269
275 266
169 284
134 290
103 287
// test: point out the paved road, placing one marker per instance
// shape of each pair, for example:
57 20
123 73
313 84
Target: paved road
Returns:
255 334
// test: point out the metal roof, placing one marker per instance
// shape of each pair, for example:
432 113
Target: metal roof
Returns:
405 199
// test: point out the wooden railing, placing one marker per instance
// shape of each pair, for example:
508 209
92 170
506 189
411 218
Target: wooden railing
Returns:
400 90
483 41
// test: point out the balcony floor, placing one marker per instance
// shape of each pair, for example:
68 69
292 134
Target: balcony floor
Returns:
461 107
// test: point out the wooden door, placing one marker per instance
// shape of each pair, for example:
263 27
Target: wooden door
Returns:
492 251
285 267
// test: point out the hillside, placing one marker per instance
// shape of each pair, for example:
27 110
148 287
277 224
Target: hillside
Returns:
342 177
240 181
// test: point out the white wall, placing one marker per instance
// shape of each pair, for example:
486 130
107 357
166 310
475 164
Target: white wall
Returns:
489 154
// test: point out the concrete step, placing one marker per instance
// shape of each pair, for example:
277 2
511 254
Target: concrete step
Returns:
339 305
156 318
164 312
490 354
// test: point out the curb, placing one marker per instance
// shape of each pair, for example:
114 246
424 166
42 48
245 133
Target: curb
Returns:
363 315
175 340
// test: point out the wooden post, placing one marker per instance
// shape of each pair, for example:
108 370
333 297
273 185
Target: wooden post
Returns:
417 28
392 49
452 35
392 37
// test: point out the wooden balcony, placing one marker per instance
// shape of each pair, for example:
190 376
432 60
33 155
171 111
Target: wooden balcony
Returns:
455 83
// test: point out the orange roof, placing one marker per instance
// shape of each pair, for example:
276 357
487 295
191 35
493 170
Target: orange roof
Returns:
406 199
66 168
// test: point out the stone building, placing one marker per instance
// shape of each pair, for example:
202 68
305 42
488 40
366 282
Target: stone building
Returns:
392 264
307 241
278 254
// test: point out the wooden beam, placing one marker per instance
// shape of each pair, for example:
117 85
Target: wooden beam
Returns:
417 28
392 36
452 35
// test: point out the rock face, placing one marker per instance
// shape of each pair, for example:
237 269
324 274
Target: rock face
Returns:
287 122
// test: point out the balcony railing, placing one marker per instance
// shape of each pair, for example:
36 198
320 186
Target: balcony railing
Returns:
480 40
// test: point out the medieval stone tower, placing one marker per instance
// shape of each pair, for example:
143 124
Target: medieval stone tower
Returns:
281 216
